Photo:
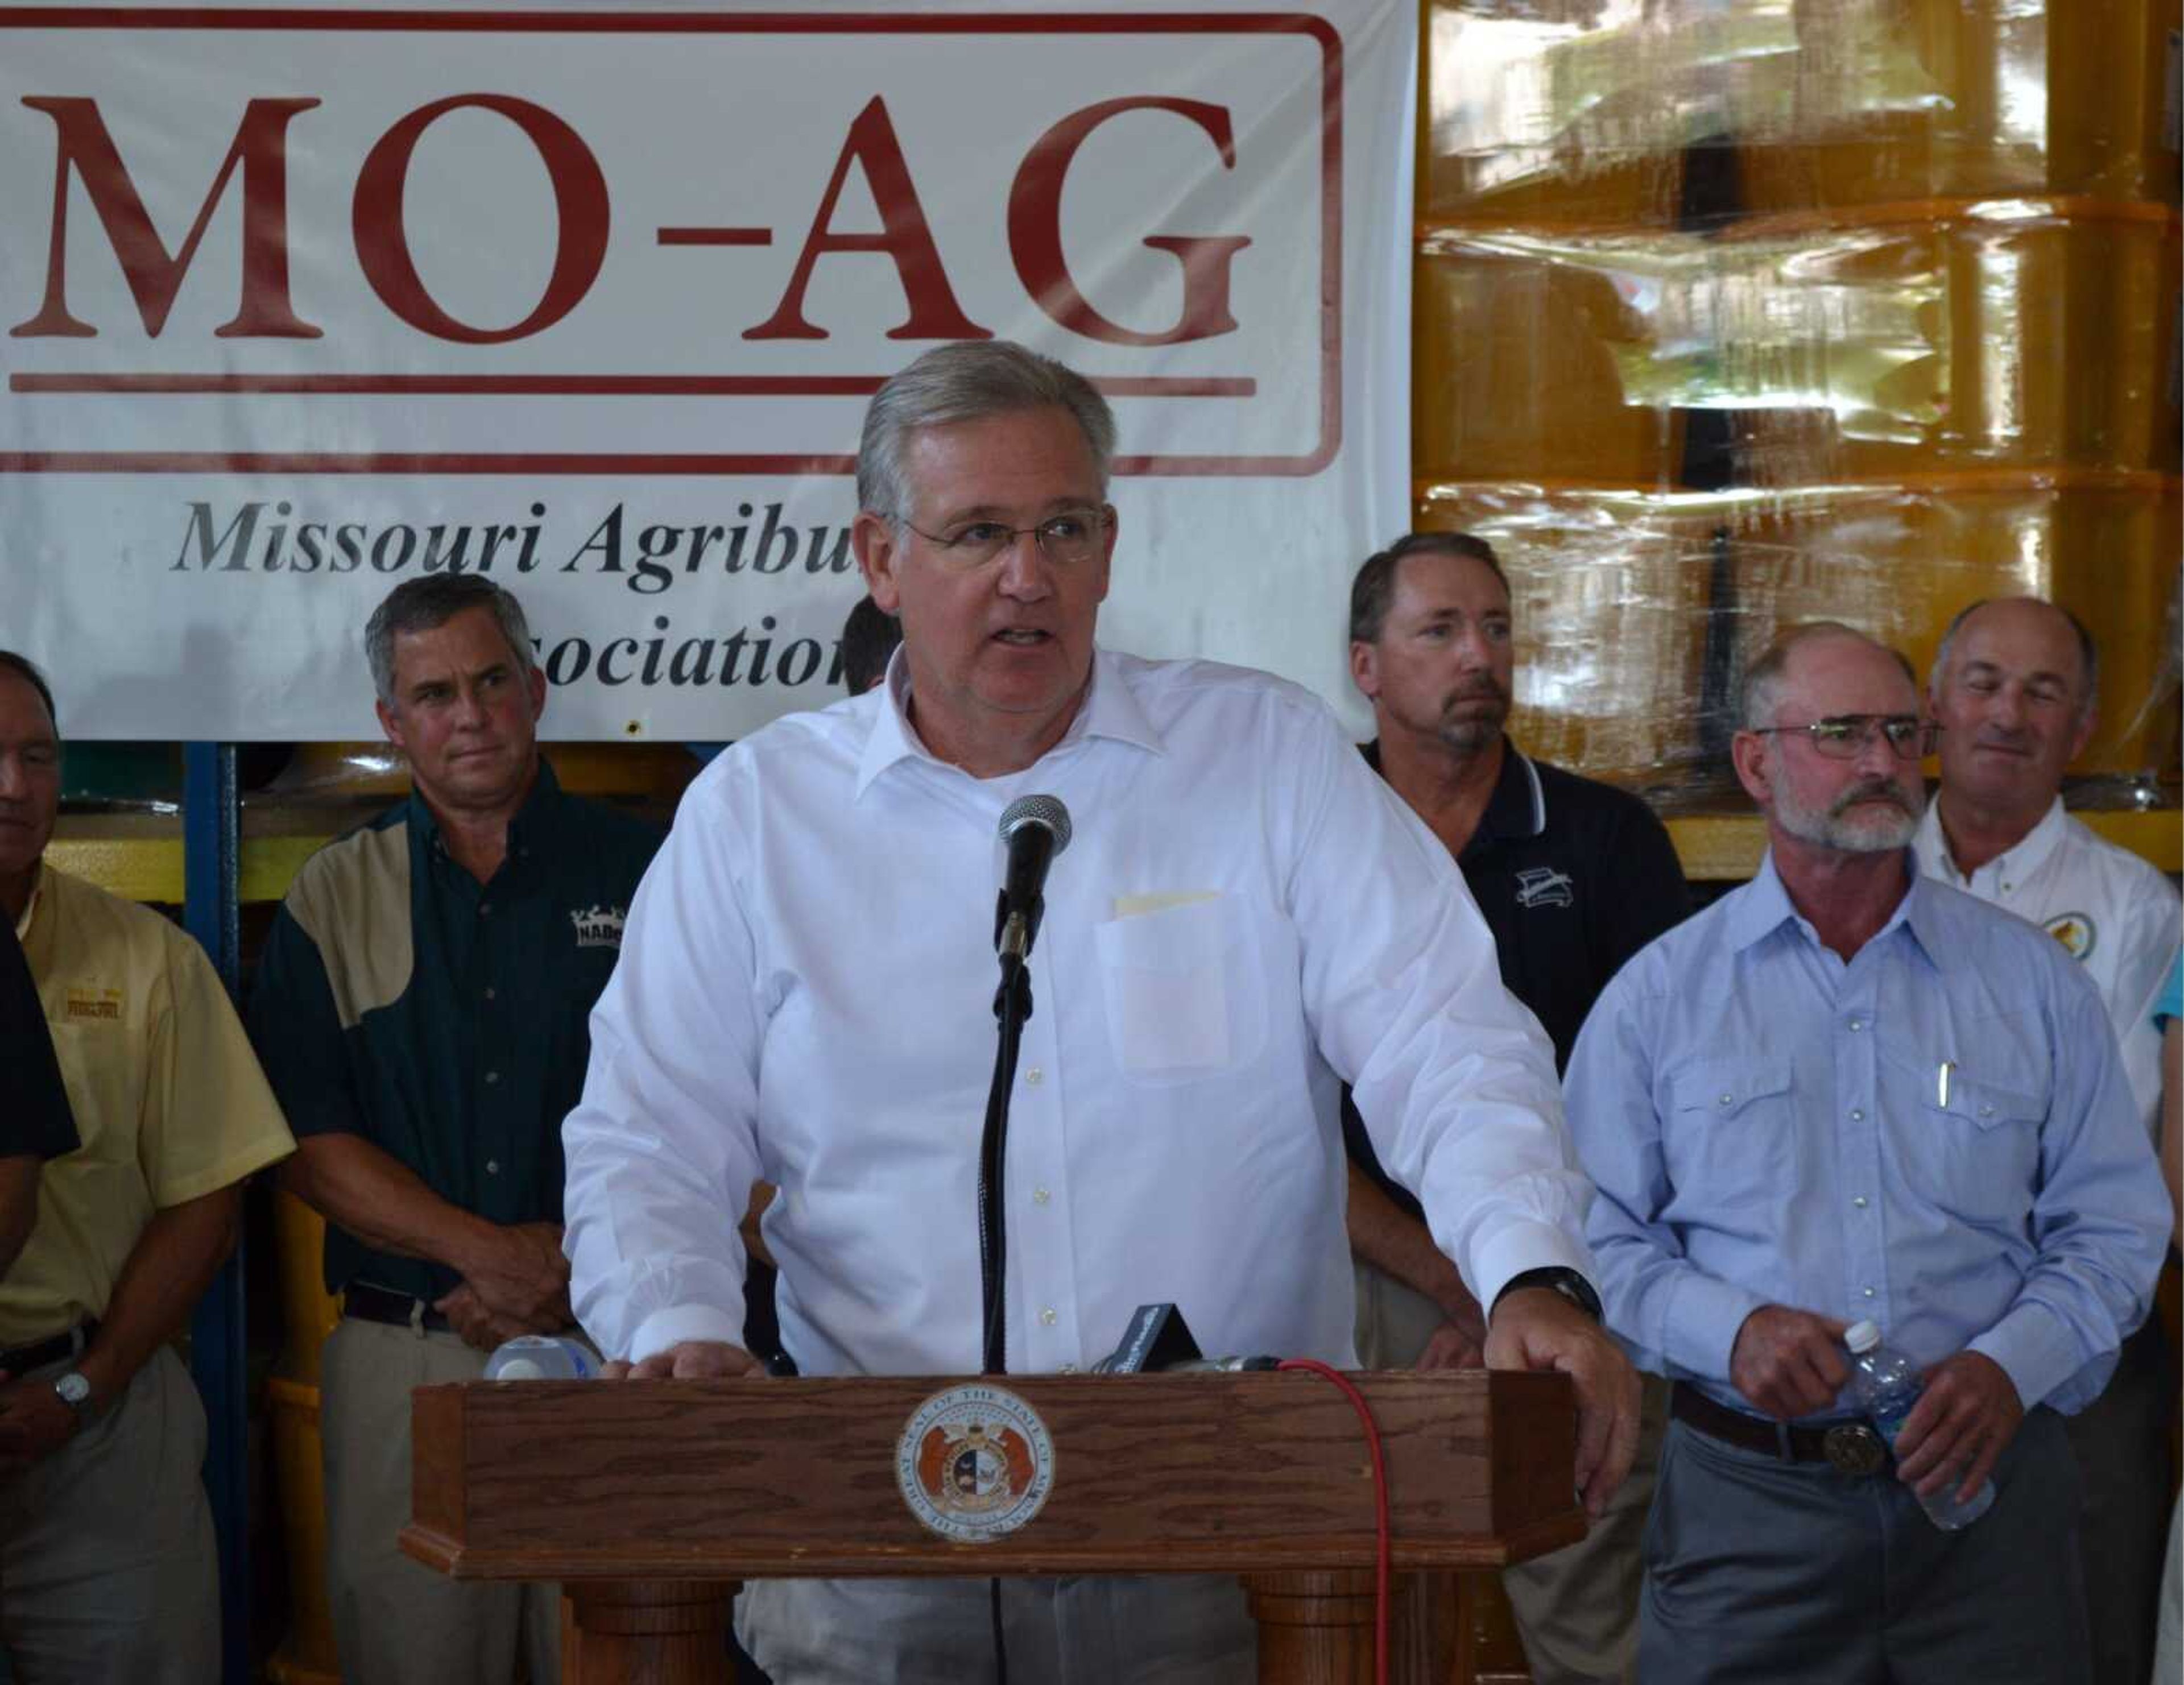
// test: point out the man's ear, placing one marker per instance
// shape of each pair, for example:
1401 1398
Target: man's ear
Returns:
872 540
1365 668
390 724
2086 727
1747 751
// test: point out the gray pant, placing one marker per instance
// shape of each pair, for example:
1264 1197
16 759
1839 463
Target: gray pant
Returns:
2121 1442
1114 1630
108 1571
1576 1608
396 1621
1790 1573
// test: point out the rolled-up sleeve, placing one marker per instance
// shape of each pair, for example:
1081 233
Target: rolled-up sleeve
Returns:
1453 1077
662 1150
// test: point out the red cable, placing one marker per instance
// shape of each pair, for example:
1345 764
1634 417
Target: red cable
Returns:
1381 1555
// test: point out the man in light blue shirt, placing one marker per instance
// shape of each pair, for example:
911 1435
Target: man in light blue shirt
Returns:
1844 1092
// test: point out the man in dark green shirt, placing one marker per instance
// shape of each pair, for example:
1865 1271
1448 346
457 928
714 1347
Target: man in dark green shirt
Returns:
422 1008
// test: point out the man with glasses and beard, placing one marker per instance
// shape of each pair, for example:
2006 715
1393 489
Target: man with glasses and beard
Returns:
1572 877
1848 1092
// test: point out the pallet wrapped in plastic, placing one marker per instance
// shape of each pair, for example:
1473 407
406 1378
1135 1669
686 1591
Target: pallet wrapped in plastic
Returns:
1598 113
1637 611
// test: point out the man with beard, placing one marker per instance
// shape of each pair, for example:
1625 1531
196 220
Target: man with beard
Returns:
2014 688
1572 877
1845 1092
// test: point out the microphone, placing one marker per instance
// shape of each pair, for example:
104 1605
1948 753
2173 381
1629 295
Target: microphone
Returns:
1033 829
1158 1341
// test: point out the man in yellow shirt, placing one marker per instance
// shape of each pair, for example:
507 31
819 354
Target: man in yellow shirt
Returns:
107 1566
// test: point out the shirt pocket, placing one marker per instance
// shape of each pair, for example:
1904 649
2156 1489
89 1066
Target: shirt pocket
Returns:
1976 1154
1732 1130
1185 990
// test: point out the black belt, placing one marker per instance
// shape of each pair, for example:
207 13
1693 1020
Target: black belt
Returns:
18 1361
1852 1447
383 1304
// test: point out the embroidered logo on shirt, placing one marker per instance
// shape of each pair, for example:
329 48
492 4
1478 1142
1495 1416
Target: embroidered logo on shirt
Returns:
92 1006
1544 887
599 927
974 1463
2076 932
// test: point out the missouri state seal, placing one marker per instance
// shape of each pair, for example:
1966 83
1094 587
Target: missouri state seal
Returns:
974 1462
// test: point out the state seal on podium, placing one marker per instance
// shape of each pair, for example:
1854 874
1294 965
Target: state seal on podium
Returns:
974 1462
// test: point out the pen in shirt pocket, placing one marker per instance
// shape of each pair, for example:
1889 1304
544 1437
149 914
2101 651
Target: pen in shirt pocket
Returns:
1941 1083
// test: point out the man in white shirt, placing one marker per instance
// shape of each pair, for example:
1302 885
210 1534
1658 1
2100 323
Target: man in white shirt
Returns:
2015 688
1245 918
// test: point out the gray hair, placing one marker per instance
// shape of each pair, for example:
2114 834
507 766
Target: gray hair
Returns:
2089 655
1762 680
969 380
430 601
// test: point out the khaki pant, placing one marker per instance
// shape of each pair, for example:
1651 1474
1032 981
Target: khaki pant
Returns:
1173 1629
396 1621
1576 1608
108 1575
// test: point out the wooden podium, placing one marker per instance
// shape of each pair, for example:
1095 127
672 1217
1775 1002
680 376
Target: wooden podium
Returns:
651 1501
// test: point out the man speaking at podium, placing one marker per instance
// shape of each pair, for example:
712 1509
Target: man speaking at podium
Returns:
1246 918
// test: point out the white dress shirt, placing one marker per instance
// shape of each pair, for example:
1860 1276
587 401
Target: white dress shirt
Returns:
2113 912
1245 918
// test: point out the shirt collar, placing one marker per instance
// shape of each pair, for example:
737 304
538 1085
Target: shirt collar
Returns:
2017 863
1765 907
532 819
1110 709
30 906
1517 809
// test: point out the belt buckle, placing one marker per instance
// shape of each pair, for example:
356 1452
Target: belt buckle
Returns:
1855 1449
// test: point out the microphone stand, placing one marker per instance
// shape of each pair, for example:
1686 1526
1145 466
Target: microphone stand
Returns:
1012 938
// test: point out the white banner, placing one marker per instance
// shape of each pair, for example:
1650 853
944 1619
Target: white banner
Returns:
302 303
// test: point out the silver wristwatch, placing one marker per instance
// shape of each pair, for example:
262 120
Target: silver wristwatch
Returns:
73 1391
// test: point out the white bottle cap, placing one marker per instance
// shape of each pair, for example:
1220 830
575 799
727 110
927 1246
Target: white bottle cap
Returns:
521 1369
1862 1337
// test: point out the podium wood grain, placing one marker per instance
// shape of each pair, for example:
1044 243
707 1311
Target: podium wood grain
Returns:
650 1500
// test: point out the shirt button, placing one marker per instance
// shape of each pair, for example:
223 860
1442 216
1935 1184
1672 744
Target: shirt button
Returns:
490 993
485 907
1033 1073
492 1077
1729 1099
1859 1202
1856 1115
1869 1293
1987 1111
1047 1316
1858 1023
492 1167
1040 1196
1069 1369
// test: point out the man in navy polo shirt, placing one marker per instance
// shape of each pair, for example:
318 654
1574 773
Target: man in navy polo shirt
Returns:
423 1011
1572 877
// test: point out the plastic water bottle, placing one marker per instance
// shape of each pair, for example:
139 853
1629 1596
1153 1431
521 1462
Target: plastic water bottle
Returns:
540 1357
1888 1384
